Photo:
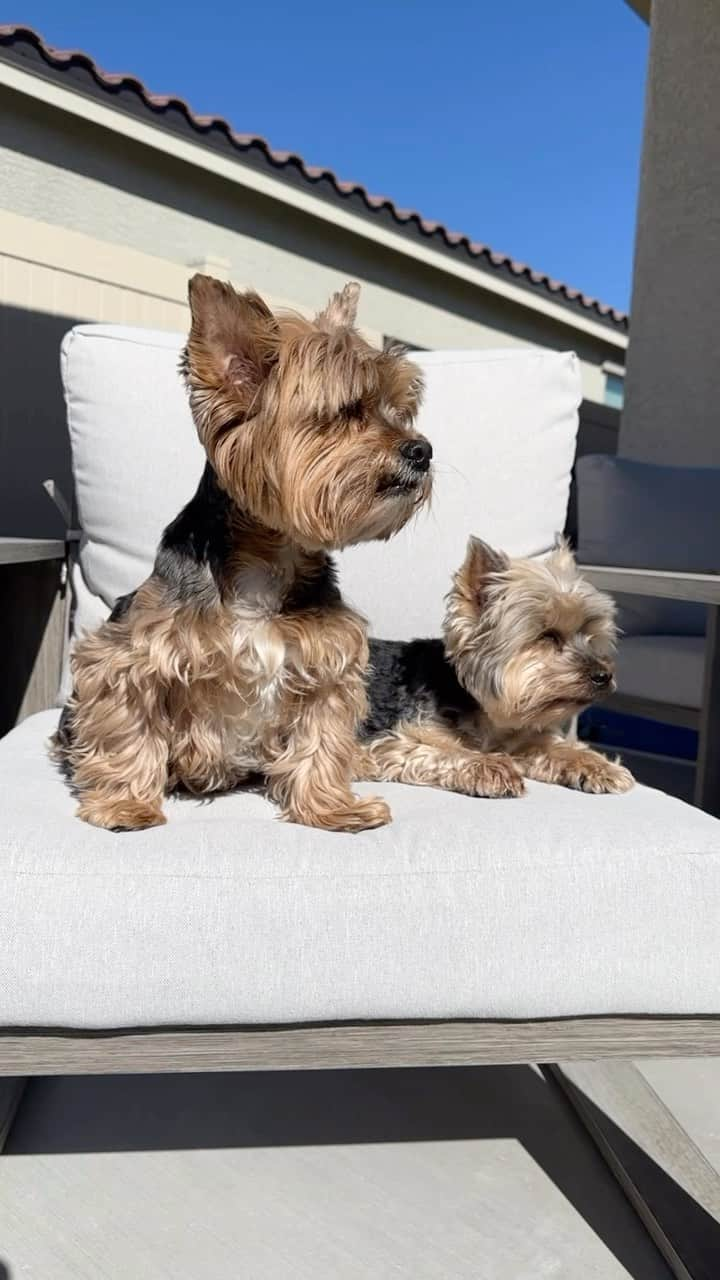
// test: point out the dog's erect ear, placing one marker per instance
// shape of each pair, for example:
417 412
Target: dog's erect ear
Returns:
562 554
341 310
232 339
482 560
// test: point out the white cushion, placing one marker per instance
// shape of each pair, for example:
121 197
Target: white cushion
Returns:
551 905
503 424
136 456
503 427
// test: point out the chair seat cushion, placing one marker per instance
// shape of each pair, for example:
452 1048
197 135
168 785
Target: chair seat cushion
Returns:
555 904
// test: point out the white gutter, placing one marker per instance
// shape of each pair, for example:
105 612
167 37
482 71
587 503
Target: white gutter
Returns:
234 170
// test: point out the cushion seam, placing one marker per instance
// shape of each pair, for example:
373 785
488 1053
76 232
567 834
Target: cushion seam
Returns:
443 872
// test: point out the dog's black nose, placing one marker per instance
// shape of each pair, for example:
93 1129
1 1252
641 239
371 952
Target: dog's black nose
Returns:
418 452
600 679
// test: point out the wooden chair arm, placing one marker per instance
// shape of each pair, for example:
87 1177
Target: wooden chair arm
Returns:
33 607
700 588
27 550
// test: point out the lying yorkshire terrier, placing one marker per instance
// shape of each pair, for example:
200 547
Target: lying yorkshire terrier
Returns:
528 644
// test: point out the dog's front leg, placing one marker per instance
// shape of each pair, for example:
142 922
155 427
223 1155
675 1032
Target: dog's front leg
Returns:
430 755
574 765
311 779
118 750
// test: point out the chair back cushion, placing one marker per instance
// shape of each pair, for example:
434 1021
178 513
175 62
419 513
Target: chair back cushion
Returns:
502 423
644 516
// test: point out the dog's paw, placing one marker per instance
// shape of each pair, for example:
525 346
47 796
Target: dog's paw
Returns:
600 776
126 815
496 775
366 814
361 813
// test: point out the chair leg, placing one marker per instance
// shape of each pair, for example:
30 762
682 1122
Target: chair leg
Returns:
707 776
670 1184
11 1091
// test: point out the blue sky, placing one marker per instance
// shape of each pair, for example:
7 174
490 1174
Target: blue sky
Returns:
517 122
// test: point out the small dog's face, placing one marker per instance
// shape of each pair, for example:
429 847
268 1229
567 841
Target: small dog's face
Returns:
532 641
307 426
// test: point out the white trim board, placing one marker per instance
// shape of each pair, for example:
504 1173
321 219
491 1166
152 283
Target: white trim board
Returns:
75 254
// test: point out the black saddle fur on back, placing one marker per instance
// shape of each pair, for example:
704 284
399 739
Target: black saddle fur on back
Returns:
411 678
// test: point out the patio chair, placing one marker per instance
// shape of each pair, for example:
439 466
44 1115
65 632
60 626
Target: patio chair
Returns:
556 928
651 534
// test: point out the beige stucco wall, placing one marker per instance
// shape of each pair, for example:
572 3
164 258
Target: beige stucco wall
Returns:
672 388
94 226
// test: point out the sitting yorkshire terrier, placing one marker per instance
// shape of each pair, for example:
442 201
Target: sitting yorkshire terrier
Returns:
528 644
238 656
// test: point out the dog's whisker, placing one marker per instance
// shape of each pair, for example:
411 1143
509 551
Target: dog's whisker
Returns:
442 467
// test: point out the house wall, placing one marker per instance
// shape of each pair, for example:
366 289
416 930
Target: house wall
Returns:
49 279
94 226
672 387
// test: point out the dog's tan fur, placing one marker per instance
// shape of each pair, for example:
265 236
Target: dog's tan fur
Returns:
426 753
525 639
217 671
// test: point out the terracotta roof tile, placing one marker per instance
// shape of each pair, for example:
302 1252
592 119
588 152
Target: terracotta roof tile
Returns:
23 38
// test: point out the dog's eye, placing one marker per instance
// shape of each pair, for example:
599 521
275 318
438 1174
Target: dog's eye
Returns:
554 637
352 411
